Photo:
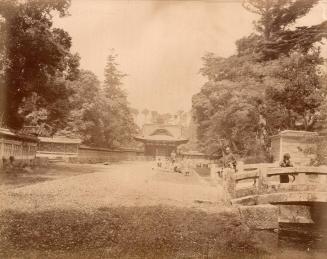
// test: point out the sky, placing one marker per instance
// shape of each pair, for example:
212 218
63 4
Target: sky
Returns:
160 43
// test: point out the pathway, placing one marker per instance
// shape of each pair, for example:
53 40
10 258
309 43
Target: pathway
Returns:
127 184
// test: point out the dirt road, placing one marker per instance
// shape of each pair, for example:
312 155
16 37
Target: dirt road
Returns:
127 184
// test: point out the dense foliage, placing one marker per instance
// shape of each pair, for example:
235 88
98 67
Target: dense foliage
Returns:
84 118
276 34
41 85
36 62
267 86
100 114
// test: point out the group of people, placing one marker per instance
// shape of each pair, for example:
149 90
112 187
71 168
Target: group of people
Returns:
229 161
174 164
182 165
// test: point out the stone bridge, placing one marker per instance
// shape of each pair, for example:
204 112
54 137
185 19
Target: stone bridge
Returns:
264 185
299 192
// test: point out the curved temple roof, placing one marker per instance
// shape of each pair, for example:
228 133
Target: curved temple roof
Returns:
160 138
162 133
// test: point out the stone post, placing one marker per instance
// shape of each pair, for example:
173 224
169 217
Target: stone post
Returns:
228 184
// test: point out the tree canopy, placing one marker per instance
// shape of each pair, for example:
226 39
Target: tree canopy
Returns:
36 61
41 84
270 84
276 34
85 119
100 114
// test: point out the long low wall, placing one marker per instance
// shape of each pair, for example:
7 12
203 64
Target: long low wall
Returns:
98 155
86 154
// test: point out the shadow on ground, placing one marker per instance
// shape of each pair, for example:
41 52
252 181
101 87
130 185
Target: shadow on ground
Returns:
138 232
20 177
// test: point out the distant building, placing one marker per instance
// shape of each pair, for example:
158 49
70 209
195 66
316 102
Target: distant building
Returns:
161 140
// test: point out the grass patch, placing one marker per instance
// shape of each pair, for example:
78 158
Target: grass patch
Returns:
125 232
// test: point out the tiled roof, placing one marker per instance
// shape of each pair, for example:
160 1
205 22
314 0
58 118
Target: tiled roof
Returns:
60 140
159 138
9 133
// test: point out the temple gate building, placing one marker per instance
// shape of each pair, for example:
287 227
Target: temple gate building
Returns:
161 139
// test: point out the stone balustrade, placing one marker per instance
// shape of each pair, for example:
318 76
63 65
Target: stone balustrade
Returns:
264 184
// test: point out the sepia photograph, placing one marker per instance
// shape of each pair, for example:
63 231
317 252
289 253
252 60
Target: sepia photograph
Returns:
163 129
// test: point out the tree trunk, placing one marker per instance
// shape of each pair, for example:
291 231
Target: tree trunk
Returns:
289 118
305 122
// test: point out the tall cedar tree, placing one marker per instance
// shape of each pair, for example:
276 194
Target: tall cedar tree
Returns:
118 120
276 35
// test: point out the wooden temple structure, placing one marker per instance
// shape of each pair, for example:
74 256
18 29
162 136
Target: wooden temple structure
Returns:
161 139
18 146
58 147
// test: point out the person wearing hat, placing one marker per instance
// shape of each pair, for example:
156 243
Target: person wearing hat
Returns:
285 163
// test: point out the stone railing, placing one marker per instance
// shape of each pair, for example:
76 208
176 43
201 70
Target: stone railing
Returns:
265 184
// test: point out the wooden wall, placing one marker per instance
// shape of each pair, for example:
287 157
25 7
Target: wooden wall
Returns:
19 149
97 155
57 150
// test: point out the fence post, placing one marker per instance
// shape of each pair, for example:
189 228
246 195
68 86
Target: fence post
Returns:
262 180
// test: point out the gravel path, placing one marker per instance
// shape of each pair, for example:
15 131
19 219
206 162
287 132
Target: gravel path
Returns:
127 184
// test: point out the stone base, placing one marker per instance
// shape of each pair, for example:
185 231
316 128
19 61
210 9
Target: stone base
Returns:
294 214
260 217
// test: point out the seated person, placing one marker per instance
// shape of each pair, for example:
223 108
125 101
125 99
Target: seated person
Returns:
285 163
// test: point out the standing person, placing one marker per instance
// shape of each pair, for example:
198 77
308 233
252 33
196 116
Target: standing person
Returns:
229 159
172 160
173 157
159 163
229 168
